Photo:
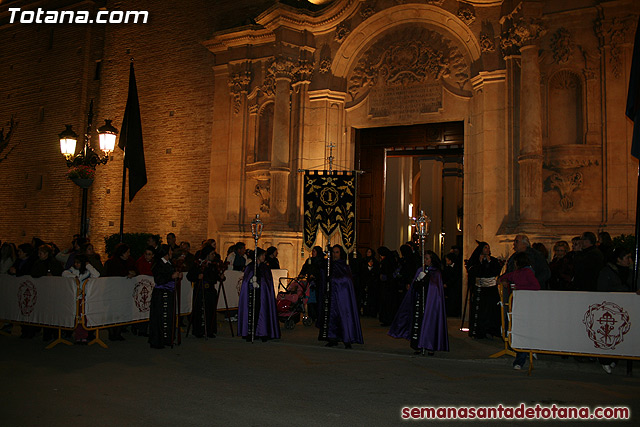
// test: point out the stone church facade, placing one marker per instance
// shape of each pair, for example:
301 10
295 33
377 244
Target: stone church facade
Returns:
243 95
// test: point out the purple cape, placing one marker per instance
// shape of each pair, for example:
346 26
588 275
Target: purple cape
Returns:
433 331
343 323
268 325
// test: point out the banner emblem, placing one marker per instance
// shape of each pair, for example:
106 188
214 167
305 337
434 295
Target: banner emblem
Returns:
142 295
27 297
606 324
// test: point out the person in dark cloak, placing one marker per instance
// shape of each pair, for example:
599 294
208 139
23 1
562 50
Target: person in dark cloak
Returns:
422 318
483 269
388 285
265 318
339 319
162 309
313 271
204 275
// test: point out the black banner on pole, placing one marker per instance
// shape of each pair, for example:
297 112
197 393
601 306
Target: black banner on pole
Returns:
329 204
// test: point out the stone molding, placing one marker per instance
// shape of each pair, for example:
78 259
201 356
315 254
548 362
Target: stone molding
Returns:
571 156
281 15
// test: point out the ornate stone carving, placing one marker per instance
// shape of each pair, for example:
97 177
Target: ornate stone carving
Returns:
436 2
239 85
282 67
520 32
564 80
303 70
368 9
562 46
325 66
486 43
342 31
571 156
566 184
263 190
408 56
466 14
614 33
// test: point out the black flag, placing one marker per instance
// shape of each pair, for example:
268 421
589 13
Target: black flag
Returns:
131 139
633 97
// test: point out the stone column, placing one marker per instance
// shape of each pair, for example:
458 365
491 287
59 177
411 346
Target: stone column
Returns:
530 157
280 167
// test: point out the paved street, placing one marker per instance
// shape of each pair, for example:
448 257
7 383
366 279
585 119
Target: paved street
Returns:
293 381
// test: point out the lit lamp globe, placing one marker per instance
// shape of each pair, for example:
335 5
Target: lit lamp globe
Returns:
68 139
107 136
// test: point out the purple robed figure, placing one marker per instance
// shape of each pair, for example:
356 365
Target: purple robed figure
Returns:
339 319
425 327
266 323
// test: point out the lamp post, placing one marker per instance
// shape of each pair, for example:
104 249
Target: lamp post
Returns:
82 166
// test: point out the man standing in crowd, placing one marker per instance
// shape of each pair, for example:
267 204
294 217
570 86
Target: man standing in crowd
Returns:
540 267
237 259
587 264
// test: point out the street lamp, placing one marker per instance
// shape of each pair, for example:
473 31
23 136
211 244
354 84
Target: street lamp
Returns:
82 166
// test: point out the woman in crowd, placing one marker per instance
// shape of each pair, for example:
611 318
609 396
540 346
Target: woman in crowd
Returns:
313 270
339 319
81 270
257 315
483 269
144 264
92 257
162 308
120 264
7 257
561 267
24 261
272 258
422 318
522 278
46 264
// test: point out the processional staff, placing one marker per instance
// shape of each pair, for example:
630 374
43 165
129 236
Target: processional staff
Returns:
256 231
422 228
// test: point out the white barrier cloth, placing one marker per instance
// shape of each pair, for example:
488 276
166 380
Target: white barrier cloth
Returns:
110 300
45 300
577 322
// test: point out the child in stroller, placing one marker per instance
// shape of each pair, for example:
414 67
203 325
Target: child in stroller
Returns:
292 301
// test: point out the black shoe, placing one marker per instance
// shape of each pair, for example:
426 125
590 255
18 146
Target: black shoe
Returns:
430 353
417 352
331 344
211 335
347 345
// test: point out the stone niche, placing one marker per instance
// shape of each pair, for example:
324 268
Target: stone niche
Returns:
402 73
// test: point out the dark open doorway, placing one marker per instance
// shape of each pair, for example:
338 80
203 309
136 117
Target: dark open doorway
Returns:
408 168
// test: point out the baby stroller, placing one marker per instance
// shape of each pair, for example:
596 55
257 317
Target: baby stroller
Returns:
292 301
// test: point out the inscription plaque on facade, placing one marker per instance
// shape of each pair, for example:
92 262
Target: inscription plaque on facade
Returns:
405 101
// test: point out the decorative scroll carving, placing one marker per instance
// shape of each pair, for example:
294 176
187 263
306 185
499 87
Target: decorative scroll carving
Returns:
486 43
239 85
263 190
325 65
342 31
368 9
562 46
466 14
280 67
566 184
614 33
408 56
520 32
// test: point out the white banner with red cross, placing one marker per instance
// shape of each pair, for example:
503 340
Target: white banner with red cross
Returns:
114 300
599 323
45 300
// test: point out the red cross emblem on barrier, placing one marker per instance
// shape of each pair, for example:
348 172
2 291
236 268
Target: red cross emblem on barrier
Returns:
27 297
142 295
606 324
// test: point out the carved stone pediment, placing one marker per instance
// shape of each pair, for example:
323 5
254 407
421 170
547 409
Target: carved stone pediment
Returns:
408 56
